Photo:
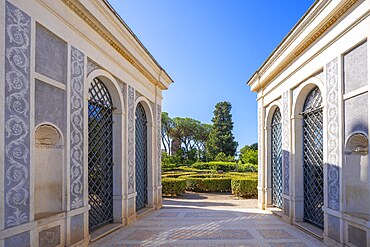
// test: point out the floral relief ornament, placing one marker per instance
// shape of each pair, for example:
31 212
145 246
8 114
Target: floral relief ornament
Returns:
77 74
131 129
17 128
333 134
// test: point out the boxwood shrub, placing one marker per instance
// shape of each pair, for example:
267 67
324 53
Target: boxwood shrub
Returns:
216 165
243 174
207 183
244 186
246 168
176 174
173 186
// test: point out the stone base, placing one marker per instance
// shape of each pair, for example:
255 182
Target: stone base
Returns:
158 206
287 219
131 219
82 243
331 242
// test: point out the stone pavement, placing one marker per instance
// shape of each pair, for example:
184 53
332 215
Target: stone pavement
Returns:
209 220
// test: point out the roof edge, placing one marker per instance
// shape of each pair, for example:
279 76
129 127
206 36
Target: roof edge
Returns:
136 38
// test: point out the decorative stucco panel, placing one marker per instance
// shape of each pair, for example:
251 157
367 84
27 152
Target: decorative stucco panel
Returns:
259 147
17 117
159 136
333 133
131 138
91 66
286 148
77 127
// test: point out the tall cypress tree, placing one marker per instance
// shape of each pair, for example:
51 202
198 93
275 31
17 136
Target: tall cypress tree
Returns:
221 138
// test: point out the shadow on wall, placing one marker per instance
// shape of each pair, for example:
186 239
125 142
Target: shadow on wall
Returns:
356 170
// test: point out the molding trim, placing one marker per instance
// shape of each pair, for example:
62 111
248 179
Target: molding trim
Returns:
315 34
111 42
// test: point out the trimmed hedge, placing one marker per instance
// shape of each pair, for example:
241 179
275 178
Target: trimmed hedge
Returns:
176 174
173 186
207 183
243 174
247 168
216 165
225 166
244 186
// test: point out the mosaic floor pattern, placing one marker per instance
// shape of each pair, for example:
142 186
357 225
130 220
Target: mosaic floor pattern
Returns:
209 222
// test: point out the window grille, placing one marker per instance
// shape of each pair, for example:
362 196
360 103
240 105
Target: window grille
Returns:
141 153
276 160
313 176
100 156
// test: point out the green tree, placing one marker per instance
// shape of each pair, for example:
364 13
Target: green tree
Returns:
249 154
221 138
184 130
201 135
167 128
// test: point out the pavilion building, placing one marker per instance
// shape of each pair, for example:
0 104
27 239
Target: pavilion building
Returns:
80 120
312 94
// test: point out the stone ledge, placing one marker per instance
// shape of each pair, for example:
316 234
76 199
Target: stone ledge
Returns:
104 231
310 229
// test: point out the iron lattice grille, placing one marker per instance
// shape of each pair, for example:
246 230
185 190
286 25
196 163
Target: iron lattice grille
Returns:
141 157
313 175
100 171
276 160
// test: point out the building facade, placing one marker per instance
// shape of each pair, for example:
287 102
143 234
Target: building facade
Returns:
312 95
80 122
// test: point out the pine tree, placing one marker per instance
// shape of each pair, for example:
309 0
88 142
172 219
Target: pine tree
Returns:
221 138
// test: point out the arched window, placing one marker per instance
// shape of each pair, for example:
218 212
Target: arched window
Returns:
141 157
276 160
313 175
100 163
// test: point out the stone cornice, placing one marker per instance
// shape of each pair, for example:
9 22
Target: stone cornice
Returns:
76 9
302 46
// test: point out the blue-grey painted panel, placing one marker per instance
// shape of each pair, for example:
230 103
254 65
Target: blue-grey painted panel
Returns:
333 187
77 228
77 126
357 236
355 68
50 105
356 115
51 55
334 227
49 237
286 207
17 117
19 240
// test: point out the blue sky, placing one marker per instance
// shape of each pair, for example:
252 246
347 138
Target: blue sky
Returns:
211 48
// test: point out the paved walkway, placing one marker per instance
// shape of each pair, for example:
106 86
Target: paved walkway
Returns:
209 220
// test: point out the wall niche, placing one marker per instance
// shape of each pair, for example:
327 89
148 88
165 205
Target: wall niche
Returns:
49 152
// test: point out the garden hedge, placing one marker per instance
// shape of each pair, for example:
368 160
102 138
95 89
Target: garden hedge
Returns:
244 186
173 186
176 174
207 183
225 166
216 165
